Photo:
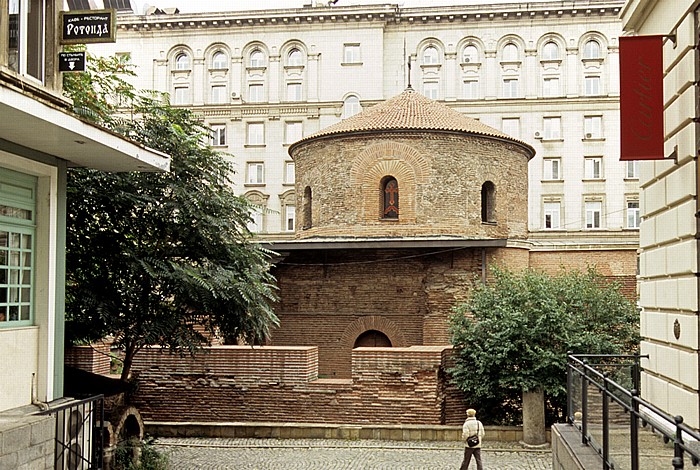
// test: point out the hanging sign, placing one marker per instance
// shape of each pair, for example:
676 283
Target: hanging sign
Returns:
88 26
71 61
641 98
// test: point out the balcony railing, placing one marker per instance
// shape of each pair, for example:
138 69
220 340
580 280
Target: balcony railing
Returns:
605 406
79 434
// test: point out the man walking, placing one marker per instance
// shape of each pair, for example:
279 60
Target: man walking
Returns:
472 435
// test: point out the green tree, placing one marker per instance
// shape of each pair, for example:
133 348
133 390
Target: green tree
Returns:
513 334
159 258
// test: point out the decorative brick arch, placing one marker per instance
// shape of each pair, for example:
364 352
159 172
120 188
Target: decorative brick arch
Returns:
381 324
401 161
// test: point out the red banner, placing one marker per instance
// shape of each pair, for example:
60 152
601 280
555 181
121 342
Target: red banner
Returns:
641 98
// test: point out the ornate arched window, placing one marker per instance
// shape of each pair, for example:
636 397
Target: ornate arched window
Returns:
550 51
510 53
219 61
591 50
295 58
306 209
471 54
351 106
488 202
390 198
430 55
182 61
257 58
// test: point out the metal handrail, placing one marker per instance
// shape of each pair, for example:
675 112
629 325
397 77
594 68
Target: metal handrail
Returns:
640 411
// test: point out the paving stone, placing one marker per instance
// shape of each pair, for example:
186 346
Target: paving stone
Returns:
328 454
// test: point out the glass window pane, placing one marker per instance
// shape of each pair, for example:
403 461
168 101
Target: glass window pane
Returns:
24 313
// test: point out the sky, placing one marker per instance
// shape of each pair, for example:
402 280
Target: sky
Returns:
191 6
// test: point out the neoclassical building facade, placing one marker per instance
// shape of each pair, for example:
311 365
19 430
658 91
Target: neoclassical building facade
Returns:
543 73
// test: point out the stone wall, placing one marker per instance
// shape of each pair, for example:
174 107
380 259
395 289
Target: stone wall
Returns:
278 384
27 442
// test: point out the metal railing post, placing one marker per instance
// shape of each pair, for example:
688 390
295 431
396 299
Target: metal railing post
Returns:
606 429
584 404
634 431
569 387
677 444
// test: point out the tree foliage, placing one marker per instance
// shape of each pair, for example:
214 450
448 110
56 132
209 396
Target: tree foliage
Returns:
159 258
514 333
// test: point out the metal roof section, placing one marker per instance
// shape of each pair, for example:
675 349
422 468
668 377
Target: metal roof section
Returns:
410 111
44 127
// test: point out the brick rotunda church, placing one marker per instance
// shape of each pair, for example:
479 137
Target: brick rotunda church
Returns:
399 209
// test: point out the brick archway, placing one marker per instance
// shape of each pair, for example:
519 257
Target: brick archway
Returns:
381 324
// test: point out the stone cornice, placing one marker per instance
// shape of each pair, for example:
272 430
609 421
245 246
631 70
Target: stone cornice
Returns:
380 14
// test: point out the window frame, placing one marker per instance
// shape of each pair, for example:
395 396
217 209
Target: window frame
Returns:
432 58
588 85
593 218
632 213
547 211
593 127
506 128
180 64
221 94
351 106
549 165
182 95
218 135
255 173
289 216
253 59
289 174
510 52
216 63
466 58
254 138
352 53
593 168
634 166
259 95
295 58
295 92
548 88
547 51
511 87
588 50
298 134
551 128
431 89
471 91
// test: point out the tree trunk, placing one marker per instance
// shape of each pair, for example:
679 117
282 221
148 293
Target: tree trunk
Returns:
533 418
129 353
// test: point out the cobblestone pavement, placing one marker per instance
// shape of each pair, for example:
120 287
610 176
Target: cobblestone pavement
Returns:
311 454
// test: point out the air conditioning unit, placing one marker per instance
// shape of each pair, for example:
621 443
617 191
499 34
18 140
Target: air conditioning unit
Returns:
589 135
467 60
538 135
75 438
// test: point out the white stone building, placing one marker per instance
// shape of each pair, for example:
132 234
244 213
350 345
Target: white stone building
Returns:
669 282
546 73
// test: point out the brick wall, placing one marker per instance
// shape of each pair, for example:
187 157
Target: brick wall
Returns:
264 384
94 358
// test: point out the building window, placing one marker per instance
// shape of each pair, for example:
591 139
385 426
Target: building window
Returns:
256 93
471 54
552 169
306 209
219 60
255 224
550 51
218 94
593 168
182 61
293 131
510 53
510 87
390 198
550 87
633 216
289 218
218 135
632 170
289 175
552 211
293 91
591 50
17 237
552 128
295 58
511 127
351 106
256 173
256 133
351 54
593 214
25 46
488 202
470 89
257 59
592 86
593 127
430 90
431 56
182 95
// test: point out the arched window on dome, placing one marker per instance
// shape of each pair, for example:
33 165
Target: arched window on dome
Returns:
591 50
219 60
257 58
351 106
390 198
306 209
295 58
488 202
182 61
510 53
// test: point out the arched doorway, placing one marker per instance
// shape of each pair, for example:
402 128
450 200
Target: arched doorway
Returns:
372 339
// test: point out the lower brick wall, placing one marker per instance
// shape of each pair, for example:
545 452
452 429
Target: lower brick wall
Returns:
94 358
274 384
27 441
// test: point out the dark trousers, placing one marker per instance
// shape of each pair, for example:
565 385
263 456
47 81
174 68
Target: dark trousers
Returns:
468 452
